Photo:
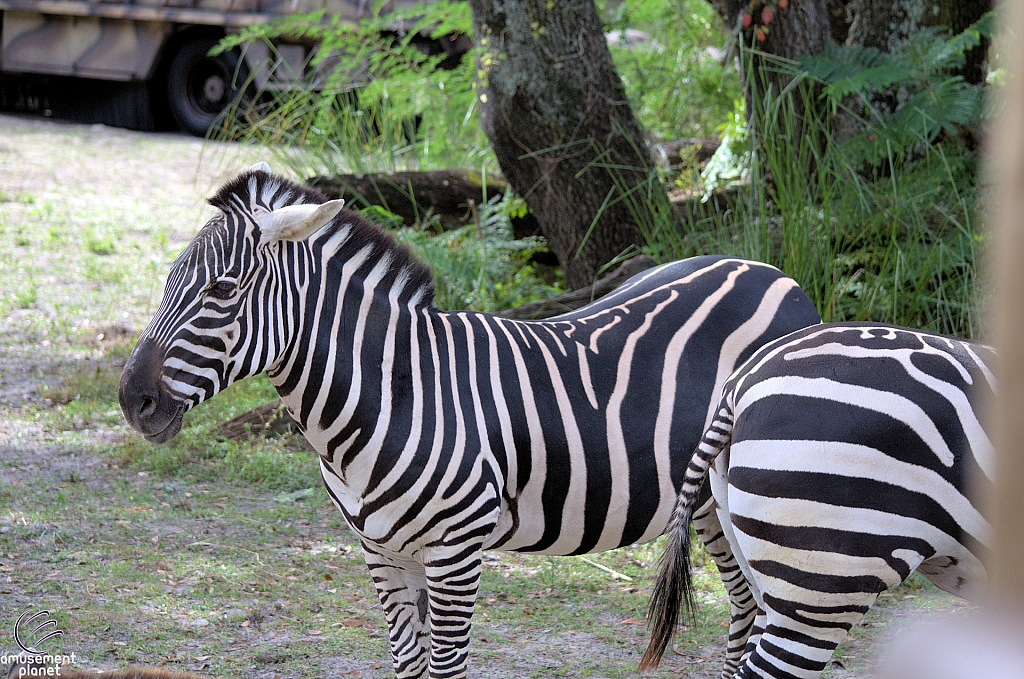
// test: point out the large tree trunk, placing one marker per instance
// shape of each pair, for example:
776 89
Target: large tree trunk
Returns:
556 113
803 27
886 24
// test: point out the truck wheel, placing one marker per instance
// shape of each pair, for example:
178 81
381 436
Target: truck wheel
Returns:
200 87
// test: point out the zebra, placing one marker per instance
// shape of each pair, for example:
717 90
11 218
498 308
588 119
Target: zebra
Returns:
441 434
842 458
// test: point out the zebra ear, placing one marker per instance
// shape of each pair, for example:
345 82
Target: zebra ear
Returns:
296 222
260 166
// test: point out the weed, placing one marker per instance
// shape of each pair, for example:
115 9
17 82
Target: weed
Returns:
100 270
26 296
56 235
100 241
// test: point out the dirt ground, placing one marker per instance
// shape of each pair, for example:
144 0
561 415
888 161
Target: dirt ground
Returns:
219 575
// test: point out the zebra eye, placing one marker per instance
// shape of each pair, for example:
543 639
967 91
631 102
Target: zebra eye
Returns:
221 289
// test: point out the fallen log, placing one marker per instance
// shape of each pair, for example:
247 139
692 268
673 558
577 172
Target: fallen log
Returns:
450 194
272 419
677 153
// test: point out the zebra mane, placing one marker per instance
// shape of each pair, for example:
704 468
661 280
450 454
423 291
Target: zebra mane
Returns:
273 192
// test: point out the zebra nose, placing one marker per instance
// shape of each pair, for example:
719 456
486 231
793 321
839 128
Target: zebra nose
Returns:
139 405
139 391
147 407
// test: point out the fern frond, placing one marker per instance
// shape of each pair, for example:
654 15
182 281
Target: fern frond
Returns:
871 79
836 63
855 68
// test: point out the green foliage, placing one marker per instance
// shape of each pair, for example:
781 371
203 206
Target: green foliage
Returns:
904 98
730 163
881 226
481 266
373 100
677 82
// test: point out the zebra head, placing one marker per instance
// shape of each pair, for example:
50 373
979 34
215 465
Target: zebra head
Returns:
223 313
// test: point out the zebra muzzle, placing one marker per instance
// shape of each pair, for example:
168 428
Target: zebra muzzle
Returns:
146 403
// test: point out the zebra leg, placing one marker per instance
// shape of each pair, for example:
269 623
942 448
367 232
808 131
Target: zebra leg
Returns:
741 600
798 639
756 630
402 588
453 578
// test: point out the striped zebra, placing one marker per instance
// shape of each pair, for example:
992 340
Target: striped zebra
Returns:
441 434
839 458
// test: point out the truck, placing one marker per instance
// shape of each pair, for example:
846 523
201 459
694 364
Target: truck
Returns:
146 64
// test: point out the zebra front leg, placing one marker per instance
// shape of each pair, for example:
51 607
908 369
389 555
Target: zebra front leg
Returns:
453 578
401 586
741 600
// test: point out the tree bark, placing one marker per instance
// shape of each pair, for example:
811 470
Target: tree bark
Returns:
803 27
886 24
556 114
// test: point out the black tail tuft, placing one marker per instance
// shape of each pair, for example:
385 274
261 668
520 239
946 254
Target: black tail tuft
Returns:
673 588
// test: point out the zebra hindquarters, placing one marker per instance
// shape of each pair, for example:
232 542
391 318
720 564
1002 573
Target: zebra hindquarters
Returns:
819 550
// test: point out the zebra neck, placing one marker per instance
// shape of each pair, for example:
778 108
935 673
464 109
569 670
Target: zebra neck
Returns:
358 351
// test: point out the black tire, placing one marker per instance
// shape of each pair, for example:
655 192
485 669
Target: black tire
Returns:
200 87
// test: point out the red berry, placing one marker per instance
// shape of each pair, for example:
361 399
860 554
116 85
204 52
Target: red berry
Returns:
746 20
783 4
760 33
871 137
767 15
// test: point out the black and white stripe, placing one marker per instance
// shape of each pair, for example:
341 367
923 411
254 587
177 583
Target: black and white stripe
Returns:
445 433
840 460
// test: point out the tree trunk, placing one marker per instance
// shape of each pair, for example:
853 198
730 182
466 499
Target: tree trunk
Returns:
886 24
803 27
556 113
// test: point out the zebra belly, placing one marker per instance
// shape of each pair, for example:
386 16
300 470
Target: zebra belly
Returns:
522 519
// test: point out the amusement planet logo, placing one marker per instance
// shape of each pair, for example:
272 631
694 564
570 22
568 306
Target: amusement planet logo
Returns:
32 662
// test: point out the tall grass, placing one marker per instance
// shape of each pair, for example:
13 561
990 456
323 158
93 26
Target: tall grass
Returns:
873 230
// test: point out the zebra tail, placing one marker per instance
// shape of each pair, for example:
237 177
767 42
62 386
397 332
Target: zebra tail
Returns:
674 587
